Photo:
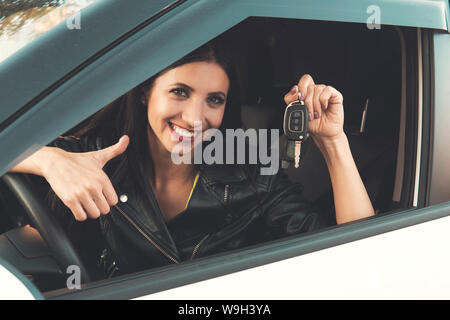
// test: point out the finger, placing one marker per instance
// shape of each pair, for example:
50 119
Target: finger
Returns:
332 97
113 151
325 97
316 100
309 101
101 203
336 96
109 193
292 95
305 81
89 206
77 211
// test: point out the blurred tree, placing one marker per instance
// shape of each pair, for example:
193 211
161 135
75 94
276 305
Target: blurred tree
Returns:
10 7
14 13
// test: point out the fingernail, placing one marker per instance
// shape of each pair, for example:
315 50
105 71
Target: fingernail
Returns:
309 116
316 115
293 90
302 96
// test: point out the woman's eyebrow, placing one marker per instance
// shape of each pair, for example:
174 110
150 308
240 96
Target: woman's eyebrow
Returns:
182 85
192 89
217 92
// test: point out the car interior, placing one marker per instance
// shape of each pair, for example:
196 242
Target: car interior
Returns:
271 55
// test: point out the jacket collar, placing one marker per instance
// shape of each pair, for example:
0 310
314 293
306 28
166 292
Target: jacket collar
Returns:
222 174
152 221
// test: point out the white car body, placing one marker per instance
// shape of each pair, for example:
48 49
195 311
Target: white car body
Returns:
410 263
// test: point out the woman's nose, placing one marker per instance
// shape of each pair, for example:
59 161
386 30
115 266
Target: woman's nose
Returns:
193 114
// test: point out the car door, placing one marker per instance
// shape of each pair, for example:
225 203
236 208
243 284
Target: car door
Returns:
345 261
16 286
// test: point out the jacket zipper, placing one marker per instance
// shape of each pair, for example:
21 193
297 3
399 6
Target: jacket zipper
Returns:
111 269
194 252
226 193
147 237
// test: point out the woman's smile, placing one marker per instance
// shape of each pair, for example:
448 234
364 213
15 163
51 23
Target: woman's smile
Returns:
180 133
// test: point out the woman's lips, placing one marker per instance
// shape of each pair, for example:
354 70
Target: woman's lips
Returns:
182 133
175 124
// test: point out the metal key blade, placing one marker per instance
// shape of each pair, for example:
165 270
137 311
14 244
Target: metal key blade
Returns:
298 145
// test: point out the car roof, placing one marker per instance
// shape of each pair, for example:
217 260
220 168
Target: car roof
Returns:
34 70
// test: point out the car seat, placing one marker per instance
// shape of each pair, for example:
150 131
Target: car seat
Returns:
356 69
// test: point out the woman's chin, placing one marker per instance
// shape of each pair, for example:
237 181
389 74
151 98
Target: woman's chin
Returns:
182 147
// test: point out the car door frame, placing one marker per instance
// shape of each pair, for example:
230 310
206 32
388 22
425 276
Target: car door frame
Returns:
69 93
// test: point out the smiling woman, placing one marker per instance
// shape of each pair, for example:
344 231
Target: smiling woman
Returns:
159 112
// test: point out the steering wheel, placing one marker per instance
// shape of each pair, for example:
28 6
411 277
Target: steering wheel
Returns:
41 217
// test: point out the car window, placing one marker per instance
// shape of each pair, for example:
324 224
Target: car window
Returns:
23 21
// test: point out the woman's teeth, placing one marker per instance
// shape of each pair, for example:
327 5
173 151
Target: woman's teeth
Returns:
181 131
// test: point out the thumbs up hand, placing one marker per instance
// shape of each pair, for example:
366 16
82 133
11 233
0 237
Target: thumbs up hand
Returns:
79 181
104 155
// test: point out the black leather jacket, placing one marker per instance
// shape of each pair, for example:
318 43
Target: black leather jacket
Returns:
232 206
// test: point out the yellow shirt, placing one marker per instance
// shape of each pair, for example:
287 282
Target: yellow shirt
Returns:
192 190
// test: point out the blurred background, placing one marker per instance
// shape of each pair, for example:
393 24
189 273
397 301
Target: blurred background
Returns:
22 21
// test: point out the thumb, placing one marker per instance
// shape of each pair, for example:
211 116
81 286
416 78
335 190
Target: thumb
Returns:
292 95
113 151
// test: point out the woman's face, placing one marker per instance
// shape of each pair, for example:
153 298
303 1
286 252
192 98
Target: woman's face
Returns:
195 91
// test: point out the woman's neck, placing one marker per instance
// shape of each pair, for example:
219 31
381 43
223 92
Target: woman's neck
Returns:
166 171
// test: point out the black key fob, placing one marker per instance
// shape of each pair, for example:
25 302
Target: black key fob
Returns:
295 124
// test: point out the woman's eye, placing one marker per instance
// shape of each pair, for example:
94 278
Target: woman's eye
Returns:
216 100
179 92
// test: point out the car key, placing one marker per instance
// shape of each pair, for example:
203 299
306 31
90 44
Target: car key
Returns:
295 126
